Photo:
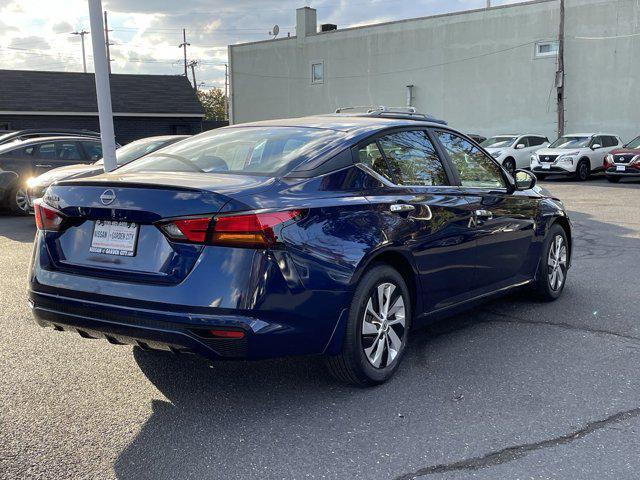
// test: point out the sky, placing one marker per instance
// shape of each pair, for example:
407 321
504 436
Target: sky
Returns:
36 34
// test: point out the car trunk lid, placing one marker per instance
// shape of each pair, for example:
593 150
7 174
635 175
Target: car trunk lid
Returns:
132 204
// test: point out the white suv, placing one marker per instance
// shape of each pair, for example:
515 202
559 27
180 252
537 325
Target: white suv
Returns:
578 155
514 151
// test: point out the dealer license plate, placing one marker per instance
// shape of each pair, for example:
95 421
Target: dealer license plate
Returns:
546 166
621 168
114 238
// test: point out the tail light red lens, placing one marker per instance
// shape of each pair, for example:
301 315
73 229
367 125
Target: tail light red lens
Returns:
256 230
237 334
47 218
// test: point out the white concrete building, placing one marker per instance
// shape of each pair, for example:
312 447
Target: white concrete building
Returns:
485 71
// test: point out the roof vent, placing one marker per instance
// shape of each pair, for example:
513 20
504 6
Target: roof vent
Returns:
328 27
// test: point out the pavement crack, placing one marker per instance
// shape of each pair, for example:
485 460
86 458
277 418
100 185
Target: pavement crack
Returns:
510 454
507 318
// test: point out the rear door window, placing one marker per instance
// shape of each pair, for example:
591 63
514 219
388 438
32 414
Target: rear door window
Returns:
93 150
476 170
412 159
47 151
68 151
535 141
371 156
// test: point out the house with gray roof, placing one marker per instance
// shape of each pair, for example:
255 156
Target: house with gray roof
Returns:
143 105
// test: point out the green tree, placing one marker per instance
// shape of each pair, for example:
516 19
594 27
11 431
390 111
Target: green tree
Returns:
213 102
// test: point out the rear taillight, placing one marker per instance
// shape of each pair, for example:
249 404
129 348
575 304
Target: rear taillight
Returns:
247 230
47 218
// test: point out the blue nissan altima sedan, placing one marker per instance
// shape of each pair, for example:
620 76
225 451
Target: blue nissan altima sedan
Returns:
330 235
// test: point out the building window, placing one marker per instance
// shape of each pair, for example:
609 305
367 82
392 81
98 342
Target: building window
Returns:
546 49
317 72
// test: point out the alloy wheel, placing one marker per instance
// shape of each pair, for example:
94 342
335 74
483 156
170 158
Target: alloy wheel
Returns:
583 172
557 263
21 199
383 325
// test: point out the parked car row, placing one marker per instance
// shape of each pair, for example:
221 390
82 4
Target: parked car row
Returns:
36 186
31 160
577 155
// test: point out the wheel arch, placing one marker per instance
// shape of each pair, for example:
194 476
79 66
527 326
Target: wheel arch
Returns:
402 262
584 159
563 221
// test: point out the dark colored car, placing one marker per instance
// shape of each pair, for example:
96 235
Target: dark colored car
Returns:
23 160
44 132
130 152
623 162
329 235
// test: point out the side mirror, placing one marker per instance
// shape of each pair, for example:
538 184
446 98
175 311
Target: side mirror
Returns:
596 146
525 180
520 146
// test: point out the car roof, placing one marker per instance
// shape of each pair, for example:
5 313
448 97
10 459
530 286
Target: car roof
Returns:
59 138
33 141
342 122
592 134
519 135
160 137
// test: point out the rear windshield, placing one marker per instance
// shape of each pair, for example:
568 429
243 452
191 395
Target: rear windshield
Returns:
257 150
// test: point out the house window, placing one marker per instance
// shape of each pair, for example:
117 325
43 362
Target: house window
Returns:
546 49
317 72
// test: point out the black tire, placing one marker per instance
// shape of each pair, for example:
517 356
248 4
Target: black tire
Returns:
510 165
583 170
17 201
353 365
540 176
613 179
544 288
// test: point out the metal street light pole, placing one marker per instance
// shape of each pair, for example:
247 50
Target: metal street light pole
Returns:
103 90
82 33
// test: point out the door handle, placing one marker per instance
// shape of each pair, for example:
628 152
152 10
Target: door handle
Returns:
401 208
484 214
44 166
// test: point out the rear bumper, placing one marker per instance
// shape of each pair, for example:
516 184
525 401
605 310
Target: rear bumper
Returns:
180 332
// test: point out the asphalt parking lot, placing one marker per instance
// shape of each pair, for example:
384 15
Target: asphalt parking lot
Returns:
513 389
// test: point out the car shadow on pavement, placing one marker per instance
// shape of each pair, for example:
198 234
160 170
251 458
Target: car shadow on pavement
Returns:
470 381
19 228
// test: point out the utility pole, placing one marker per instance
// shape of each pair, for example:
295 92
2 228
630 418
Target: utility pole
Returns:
184 45
103 90
106 36
82 33
560 73
193 64
226 91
